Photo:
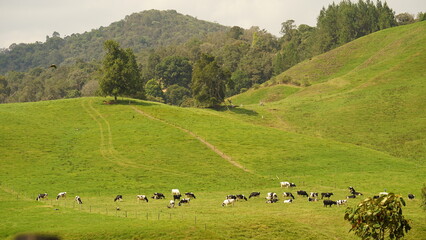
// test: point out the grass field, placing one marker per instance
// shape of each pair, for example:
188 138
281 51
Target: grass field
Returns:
346 129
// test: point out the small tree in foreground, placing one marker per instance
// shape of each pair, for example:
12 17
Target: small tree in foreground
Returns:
377 218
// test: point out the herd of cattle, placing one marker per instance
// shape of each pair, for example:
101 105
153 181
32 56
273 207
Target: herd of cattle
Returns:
271 197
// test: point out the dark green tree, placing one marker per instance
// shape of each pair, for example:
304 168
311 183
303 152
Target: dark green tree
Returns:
174 70
176 94
208 82
378 218
121 76
153 91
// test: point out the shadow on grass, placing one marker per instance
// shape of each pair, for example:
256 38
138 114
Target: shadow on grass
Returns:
127 102
238 110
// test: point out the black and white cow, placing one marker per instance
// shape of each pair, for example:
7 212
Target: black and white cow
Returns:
231 196
185 200
288 194
241 197
271 196
351 196
274 200
227 202
341 202
254 194
288 200
41 196
171 204
177 197
287 184
353 192
61 195
313 194
78 200
118 198
175 192
302 193
158 196
411 196
329 203
190 195
327 195
142 197
312 199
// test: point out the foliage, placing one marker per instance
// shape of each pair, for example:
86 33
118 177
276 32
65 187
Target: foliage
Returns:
174 70
153 90
121 76
404 18
378 218
177 94
208 82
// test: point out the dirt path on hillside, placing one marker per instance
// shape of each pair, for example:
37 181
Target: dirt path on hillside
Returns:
209 145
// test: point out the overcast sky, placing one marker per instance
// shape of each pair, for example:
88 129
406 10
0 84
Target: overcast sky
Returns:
29 20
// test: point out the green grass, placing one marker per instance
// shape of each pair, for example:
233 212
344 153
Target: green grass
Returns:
361 123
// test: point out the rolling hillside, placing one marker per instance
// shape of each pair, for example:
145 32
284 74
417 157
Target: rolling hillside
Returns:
96 151
370 92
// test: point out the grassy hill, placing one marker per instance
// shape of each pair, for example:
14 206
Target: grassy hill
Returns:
369 92
96 150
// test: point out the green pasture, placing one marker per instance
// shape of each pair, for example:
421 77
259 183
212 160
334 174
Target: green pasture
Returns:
96 150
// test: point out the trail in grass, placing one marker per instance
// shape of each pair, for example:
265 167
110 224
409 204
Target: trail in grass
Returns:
209 145
107 149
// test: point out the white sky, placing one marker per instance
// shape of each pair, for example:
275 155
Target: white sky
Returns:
31 20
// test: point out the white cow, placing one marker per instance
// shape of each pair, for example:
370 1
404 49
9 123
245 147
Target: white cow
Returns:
175 192
171 204
142 197
288 201
341 202
271 195
287 184
227 202
61 195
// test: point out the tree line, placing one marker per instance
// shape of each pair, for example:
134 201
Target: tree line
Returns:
197 70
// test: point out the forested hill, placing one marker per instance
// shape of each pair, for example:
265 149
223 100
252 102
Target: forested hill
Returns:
147 29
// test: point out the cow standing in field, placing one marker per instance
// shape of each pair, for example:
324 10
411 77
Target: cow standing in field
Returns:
41 196
61 195
142 197
241 197
411 196
287 184
288 194
158 196
327 195
190 195
254 194
302 193
227 202
78 200
185 200
329 203
118 198
171 204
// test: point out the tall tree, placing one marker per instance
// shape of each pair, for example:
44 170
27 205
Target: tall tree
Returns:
174 70
208 82
121 76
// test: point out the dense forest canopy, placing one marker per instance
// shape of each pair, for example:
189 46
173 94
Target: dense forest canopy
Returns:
167 45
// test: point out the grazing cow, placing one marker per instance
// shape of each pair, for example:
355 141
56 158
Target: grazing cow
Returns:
411 196
175 192
274 200
41 196
288 201
288 194
327 195
302 193
158 196
142 197
241 197
61 195
227 202
351 196
254 194
177 197
171 204
231 197
78 200
312 199
287 184
190 195
341 202
271 196
329 203
353 192
185 200
118 198
313 194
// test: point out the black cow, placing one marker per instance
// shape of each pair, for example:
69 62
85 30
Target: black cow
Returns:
185 200
158 196
177 197
288 194
254 194
241 197
327 195
411 196
353 192
329 203
41 196
190 195
302 193
118 197
376 196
